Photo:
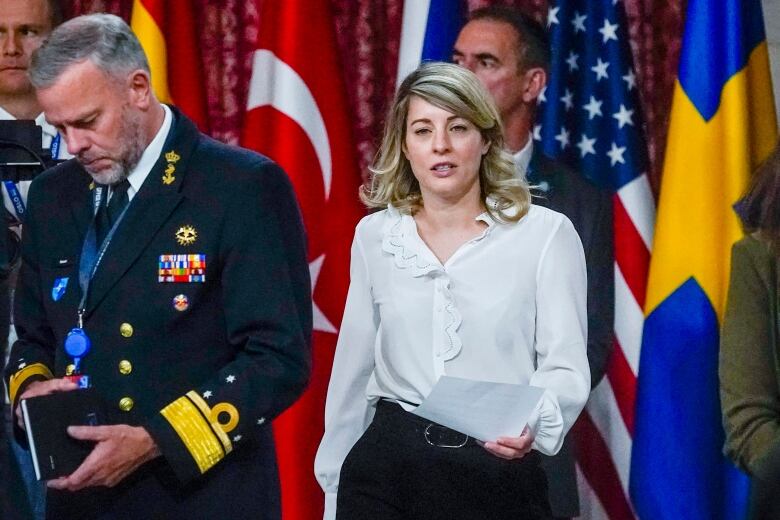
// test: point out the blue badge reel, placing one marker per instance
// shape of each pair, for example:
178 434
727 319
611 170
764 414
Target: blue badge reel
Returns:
78 345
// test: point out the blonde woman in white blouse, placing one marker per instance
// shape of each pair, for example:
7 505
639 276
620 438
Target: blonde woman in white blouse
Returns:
460 275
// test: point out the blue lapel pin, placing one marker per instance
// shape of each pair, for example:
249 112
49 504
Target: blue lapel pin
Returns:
58 289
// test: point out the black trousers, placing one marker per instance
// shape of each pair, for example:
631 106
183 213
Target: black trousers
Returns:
393 472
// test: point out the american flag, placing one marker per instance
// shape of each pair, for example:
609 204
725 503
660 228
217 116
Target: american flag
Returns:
590 118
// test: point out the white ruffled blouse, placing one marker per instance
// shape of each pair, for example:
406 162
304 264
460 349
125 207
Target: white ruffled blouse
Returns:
508 306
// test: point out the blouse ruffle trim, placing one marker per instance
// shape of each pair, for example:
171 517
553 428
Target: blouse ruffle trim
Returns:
394 242
448 352
547 425
406 256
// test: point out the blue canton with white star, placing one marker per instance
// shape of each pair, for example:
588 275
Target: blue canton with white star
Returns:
589 111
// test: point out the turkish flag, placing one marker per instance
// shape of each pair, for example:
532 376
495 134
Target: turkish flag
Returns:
298 115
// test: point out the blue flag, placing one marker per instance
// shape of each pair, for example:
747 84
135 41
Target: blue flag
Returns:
429 31
722 126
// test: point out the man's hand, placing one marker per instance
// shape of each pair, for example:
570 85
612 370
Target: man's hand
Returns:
119 451
511 447
38 388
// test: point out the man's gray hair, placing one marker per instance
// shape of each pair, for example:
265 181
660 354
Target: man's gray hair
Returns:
104 39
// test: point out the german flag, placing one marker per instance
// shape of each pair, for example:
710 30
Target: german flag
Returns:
168 32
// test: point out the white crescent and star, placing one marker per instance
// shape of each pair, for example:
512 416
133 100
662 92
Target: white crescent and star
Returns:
274 83
321 321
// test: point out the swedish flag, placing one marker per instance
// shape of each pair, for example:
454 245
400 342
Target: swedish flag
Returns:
722 126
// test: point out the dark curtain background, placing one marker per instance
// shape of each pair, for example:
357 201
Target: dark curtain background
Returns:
369 31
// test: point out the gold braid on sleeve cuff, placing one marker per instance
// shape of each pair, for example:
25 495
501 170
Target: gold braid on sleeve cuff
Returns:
17 380
191 418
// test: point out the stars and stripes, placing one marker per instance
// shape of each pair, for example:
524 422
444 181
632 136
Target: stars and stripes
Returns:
590 118
594 84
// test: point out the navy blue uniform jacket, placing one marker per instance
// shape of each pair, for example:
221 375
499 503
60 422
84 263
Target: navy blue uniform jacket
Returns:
204 365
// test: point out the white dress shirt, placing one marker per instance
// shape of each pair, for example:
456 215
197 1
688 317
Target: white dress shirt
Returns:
523 157
149 158
508 306
48 132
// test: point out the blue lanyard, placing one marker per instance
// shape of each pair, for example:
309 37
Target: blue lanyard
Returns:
13 191
55 146
16 199
91 256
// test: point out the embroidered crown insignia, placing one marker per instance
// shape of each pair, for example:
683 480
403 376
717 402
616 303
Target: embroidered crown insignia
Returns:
172 157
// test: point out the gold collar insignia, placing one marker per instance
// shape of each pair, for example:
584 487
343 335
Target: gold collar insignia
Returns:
172 157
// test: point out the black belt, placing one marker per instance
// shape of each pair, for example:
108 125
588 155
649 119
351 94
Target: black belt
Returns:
435 434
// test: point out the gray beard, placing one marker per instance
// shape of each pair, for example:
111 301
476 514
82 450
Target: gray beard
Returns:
113 175
130 153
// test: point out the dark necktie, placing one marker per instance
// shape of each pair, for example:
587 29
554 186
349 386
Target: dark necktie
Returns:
109 213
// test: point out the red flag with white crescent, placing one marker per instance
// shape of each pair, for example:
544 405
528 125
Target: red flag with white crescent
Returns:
298 115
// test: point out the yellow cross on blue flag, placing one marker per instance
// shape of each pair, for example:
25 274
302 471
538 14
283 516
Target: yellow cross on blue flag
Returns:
722 126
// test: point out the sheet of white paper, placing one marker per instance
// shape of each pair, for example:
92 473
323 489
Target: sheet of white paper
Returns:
480 409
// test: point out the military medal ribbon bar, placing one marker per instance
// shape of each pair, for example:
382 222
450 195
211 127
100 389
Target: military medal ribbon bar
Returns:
182 268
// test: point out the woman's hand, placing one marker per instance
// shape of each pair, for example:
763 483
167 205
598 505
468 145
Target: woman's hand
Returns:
511 447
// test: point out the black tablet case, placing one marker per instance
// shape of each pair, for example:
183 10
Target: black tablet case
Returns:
46 419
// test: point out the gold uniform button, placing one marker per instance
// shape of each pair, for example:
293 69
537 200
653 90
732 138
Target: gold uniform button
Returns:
126 330
125 367
126 404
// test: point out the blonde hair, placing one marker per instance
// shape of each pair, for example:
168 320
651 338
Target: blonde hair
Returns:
456 90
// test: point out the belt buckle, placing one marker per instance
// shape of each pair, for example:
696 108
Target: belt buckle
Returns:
429 432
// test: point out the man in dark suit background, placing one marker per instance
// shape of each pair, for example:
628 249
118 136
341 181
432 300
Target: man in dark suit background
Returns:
509 52
183 260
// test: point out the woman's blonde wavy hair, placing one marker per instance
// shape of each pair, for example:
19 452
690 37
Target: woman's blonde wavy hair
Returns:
456 90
